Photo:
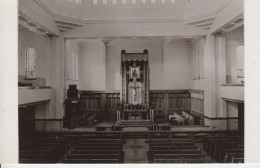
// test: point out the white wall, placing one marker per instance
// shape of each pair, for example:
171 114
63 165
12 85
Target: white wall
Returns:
42 46
92 63
170 64
233 39
177 64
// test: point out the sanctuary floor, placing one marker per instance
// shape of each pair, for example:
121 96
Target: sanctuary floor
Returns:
108 126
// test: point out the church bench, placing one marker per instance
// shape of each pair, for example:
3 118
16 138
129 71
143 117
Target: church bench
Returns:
179 151
98 148
228 145
215 145
171 147
94 151
238 160
224 152
210 144
47 150
51 147
232 156
100 140
29 160
208 140
173 144
93 156
178 156
90 161
33 156
196 160
99 145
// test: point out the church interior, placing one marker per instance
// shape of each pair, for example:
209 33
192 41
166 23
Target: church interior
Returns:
131 81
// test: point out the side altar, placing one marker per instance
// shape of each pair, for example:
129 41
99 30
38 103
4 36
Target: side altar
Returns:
134 95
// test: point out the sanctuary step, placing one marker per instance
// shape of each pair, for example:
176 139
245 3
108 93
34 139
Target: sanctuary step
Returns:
134 123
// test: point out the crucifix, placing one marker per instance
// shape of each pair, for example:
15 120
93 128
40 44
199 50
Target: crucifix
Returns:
135 90
134 72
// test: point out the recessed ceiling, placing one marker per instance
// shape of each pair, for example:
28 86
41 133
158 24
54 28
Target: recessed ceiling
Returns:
70 14
195 15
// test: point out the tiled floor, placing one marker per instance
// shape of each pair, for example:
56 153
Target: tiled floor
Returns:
136 151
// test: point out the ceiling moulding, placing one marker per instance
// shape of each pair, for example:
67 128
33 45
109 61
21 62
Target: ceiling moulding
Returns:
232 25
134 29
33 12
232 12
209 14
204 23
189 19
34 29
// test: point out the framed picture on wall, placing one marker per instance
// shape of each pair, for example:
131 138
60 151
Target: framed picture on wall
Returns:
134 72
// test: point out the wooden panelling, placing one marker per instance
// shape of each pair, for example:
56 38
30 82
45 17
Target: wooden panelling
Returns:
164 102
103 103
167 102
197 102
197 105
113 101
179 101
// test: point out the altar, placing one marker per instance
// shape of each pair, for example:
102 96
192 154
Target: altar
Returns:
134 95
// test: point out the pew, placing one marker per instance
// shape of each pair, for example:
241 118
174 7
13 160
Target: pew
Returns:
235 158
224 153
89 150
41 148
90 161
175 151
196 160
222 148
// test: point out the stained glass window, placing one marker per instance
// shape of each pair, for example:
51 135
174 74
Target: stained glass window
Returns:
240 61
30 63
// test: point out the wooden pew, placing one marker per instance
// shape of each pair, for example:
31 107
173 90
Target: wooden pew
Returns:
210 143
177 151
90 161
171 147
228 145
224 153
197 160
238 160
98 148
42 149
231 157
178 156
94 151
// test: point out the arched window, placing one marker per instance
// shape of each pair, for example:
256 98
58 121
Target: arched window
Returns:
30 63
240 61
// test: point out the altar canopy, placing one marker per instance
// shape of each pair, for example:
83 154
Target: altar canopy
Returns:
135 80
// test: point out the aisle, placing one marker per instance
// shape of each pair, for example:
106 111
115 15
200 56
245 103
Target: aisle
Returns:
136 151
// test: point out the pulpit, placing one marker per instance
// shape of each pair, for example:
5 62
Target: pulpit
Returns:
134 95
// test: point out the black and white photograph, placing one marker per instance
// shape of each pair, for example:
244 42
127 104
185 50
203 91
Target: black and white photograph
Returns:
129 82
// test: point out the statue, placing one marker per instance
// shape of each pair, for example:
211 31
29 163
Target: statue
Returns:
134 75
